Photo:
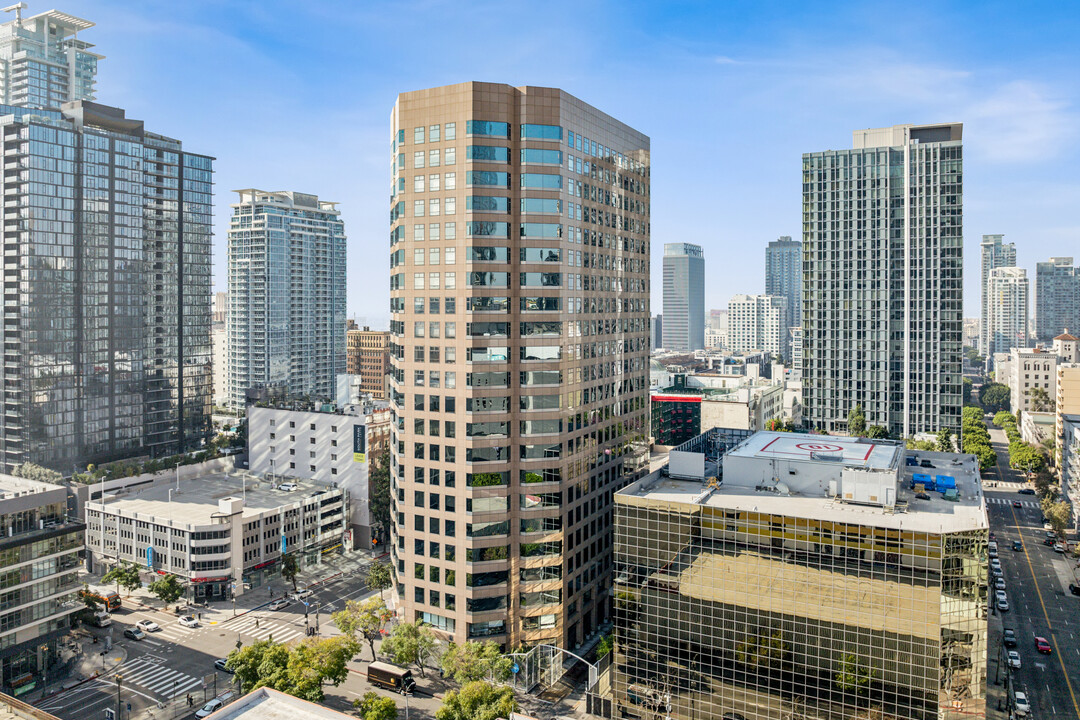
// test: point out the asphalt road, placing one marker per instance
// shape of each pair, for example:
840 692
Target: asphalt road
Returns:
1038 603
175 662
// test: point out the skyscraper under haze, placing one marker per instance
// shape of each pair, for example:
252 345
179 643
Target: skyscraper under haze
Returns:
684 297
783 277
1057 298
519 283
995 254
1007 310
883 252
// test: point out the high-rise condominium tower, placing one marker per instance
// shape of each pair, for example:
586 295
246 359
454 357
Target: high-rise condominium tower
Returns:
286 317
107 252
995 254
883 252
783 276
1057 298
519 288
684 297
758 322
43 63
1007 309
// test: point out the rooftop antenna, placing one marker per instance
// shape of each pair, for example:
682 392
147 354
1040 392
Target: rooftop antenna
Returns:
18 8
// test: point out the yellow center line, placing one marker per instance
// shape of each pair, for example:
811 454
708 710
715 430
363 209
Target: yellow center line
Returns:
1046 615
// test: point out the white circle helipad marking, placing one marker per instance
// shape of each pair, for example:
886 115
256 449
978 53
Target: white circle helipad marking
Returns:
819 447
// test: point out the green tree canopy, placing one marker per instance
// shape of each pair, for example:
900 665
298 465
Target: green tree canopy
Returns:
290 569
994 397
363 620
877 432
373 706
477 701
968 385
378 576
945 440
1003 418
168 589
33 471
1058 514
410 644
471 660
300 670
125 575
856 421
379 492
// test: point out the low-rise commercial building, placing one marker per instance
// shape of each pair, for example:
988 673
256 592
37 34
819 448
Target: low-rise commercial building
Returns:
801 576
323 443
40 548
1032 375
222 534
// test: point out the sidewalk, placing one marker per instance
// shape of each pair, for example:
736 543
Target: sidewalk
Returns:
90 664
213 612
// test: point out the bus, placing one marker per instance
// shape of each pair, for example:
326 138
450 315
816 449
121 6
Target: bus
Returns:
109 599
391 676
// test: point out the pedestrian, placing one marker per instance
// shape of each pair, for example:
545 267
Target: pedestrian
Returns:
200 616
256 623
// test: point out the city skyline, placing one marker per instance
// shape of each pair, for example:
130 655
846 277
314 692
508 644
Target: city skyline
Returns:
1019 117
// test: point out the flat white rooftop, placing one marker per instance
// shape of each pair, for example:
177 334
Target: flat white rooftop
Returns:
934 515
268 704
197 502
851 452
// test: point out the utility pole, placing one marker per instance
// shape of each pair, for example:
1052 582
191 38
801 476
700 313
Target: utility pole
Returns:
118 705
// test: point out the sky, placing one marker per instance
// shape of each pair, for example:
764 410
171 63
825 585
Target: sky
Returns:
297 96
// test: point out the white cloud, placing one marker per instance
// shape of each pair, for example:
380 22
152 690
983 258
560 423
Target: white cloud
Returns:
1020 121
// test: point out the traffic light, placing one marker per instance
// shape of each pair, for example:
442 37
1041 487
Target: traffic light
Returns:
239 643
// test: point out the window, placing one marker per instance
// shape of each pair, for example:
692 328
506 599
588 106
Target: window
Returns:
433 182
418 281
487 153
418 232
418 328
433 133
433 253
541 181
433 207
450 156
418 256
451 231
433 158
541 157
451 257
418 183
451 206
487 128
450 181
418 159
435 232
451 281
418 136
418 208
433 305
541 132
433 279
451 131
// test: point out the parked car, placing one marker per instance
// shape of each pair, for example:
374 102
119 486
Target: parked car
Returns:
148 626
1009 637
134 633
1020 702
1049 542
925 463
288 487
189 621
279 603
995 563
214 705
992 548
999 583
1014 659
995 571
219 664
1059 547
1074 588
1042 645
1017 545
1002 602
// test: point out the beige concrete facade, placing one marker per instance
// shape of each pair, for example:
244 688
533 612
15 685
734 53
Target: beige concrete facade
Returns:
367 354
519 356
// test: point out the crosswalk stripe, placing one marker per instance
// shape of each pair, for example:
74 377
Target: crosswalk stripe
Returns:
168 682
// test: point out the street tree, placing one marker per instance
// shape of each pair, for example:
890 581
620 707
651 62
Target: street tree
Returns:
378 576
994 397
1040 399
317 661
410 644
471 660
1058 514
376 707
856 421
877 432
290 569
125 575
262 664
363 620
168 589
1003 418
477 701
945 440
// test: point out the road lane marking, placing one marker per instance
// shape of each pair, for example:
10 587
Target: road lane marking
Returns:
1066 674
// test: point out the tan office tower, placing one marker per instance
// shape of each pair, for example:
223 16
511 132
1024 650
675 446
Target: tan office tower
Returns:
367 354
519 356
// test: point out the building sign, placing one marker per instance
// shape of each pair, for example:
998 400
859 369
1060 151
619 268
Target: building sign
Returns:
676 398
359 443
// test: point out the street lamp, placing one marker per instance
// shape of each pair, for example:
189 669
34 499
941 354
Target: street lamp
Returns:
118 706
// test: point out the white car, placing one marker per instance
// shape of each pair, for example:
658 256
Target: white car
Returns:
995 562
148 626
301 594
999 584
288 487
1014 659
278 604
189 621
1023 707
209 708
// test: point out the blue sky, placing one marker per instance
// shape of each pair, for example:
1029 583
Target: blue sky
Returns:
298 95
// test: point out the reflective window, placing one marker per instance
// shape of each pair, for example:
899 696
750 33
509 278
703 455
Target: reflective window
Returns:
539 156
487 153
487 203
542 181
541 132
488 128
